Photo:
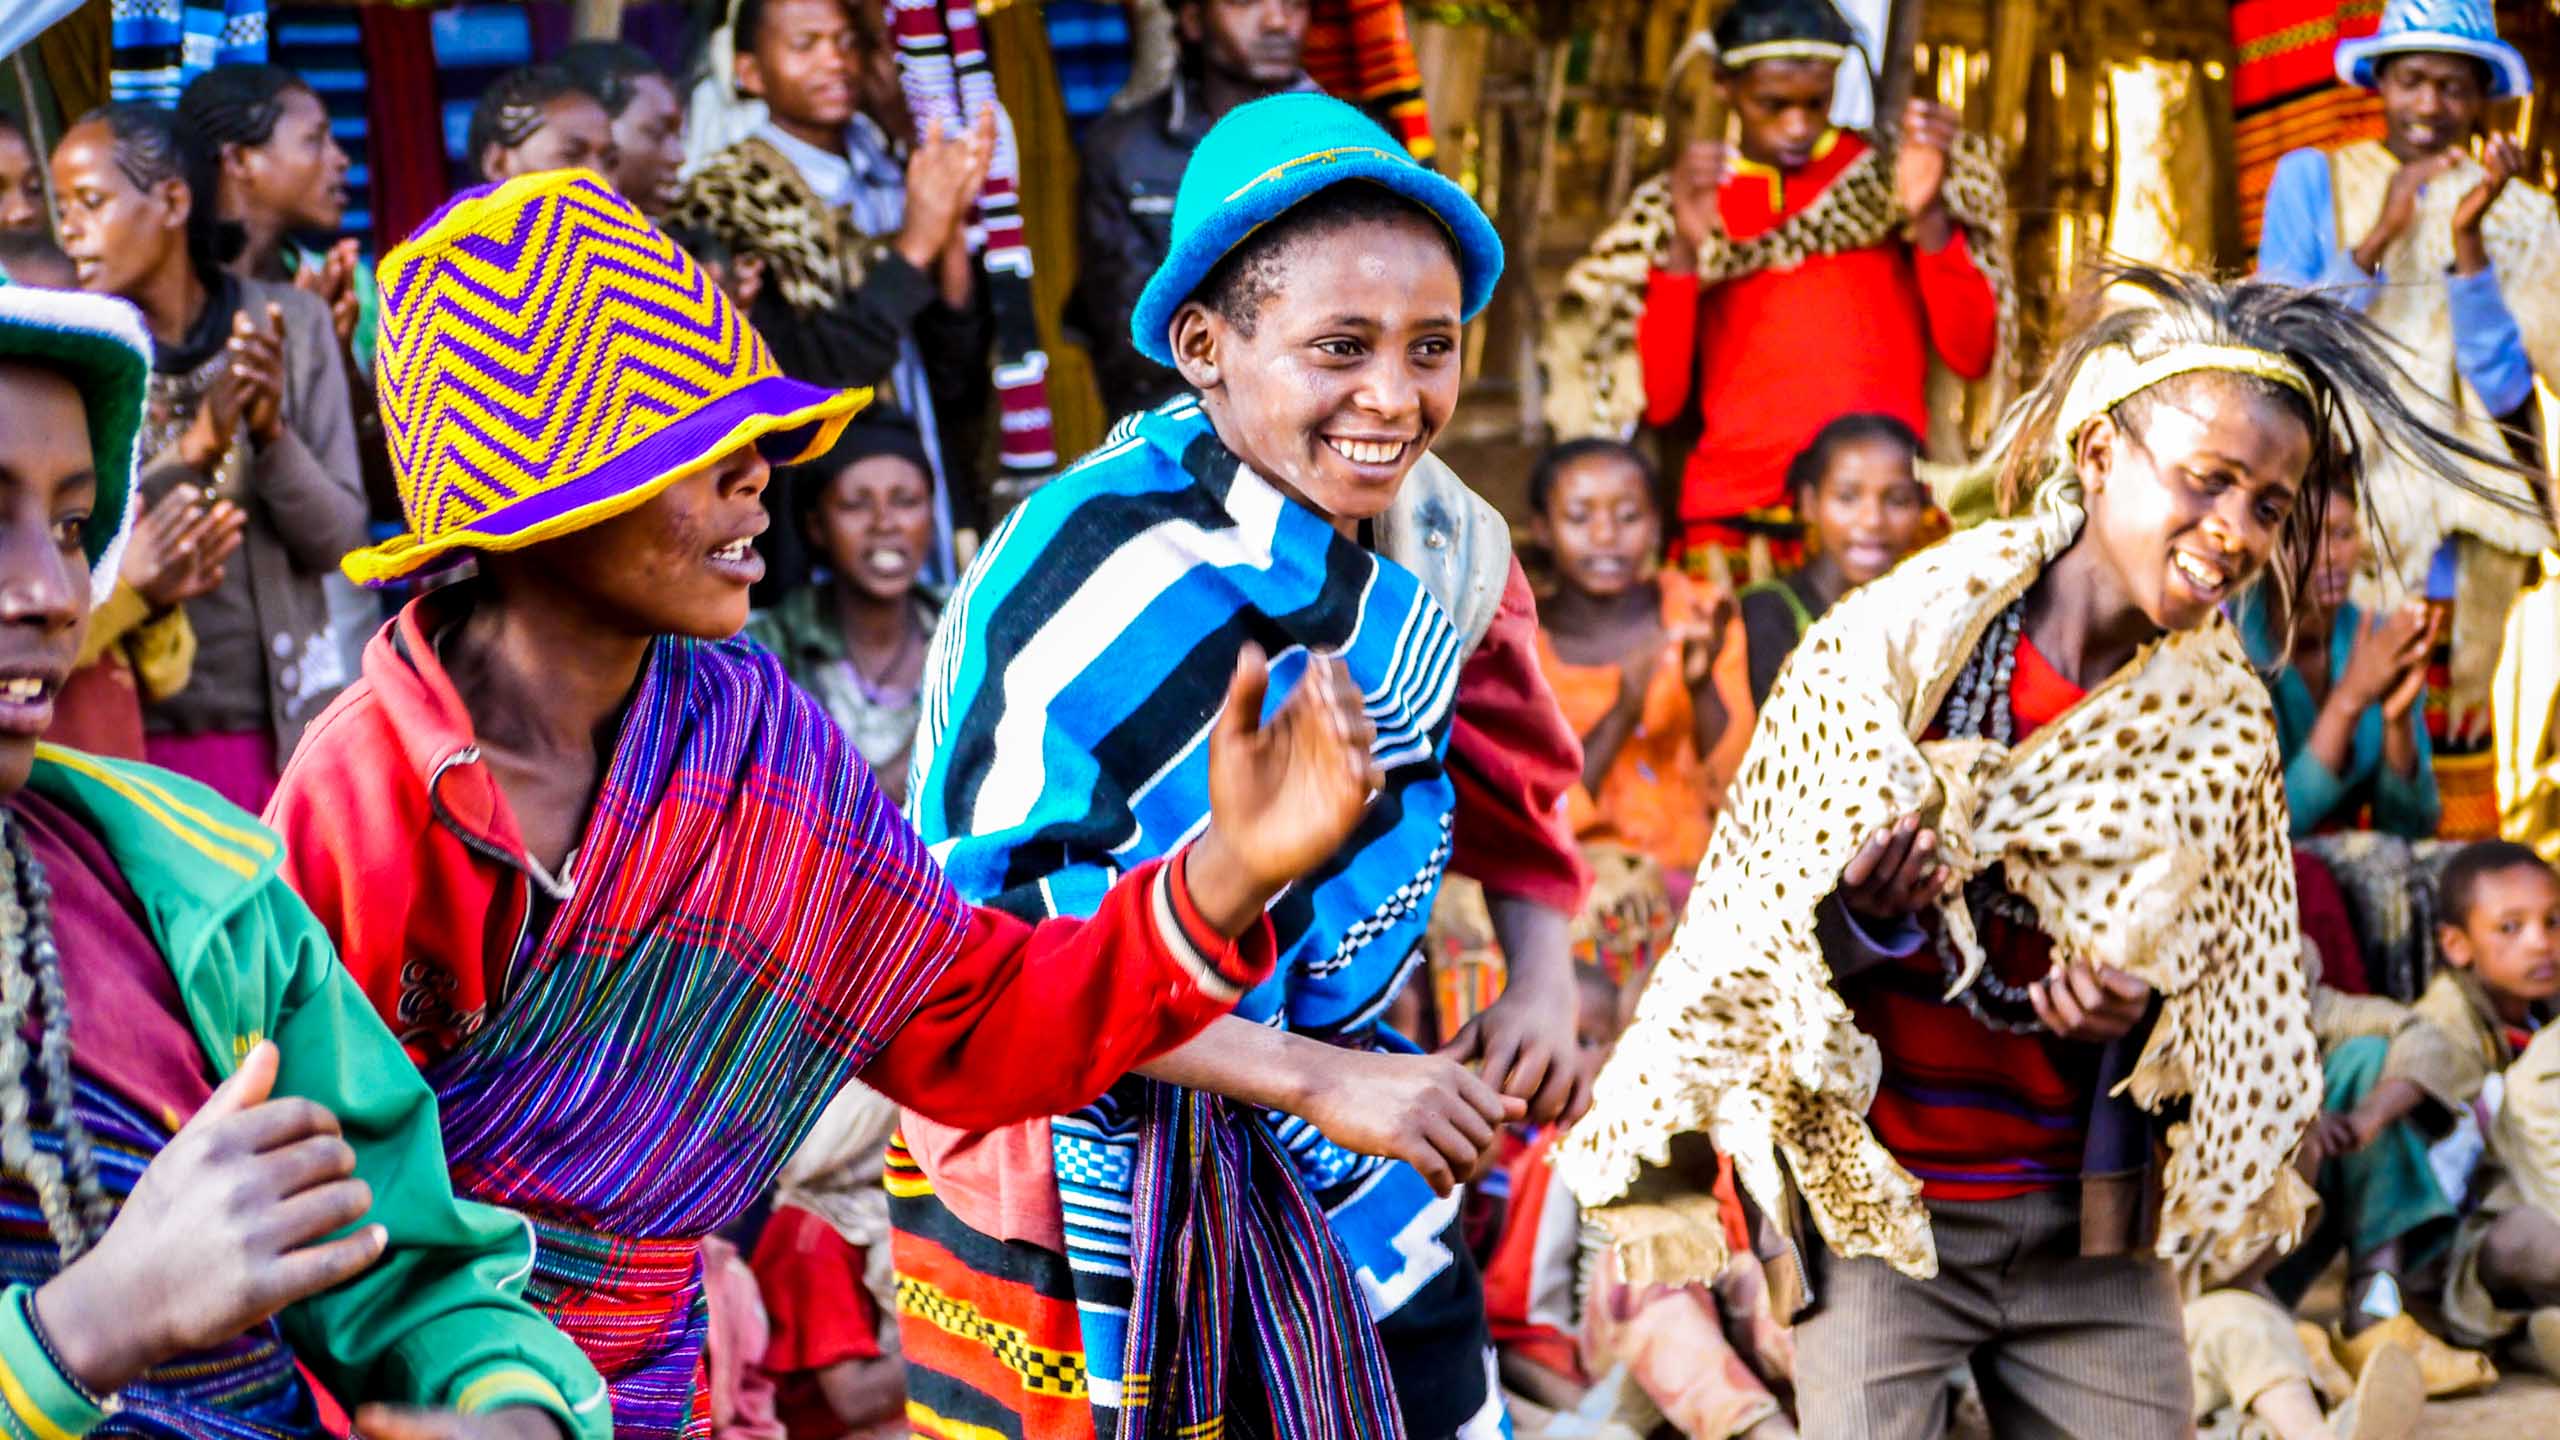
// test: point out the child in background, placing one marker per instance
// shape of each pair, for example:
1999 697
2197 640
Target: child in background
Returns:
1647 664
1864 509
823 1266
2406 1119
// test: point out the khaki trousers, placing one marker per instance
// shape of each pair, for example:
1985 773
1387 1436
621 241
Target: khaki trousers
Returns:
2062 1346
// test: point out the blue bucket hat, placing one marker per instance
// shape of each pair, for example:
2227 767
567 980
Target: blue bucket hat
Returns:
1256 164
99 344
2437 27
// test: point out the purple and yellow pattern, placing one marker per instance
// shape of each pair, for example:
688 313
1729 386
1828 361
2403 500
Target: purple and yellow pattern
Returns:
549 359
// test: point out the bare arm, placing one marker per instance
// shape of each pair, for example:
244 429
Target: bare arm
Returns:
863 1392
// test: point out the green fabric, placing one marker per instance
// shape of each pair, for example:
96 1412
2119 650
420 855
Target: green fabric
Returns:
440 1319
40 1404
2386 1190
1784 591
368 306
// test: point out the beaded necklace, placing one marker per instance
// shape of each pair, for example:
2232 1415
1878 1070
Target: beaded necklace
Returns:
1978 708
75 1206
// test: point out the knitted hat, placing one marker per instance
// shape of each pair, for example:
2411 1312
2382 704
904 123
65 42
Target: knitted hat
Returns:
99 343
1257 163
2437 27
548 360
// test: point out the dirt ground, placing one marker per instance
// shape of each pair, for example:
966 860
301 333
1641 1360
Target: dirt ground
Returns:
2523 1407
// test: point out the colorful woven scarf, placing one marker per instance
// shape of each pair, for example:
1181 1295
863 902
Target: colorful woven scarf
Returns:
1361 51
751 922
160 45
2285 94
942 65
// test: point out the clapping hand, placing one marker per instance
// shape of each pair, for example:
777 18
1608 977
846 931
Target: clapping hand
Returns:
1696 182
257 355
333 280
1920 162
944 177
1701 642
178 547
2500 161
2388 666
1284 795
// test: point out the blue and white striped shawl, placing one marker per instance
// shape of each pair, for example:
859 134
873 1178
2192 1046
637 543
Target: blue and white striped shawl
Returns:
1066 717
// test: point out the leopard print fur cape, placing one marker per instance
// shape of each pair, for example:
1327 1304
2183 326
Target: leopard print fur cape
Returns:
1595 380
2147 827
753 200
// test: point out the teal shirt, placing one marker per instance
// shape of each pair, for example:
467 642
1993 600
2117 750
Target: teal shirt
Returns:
2318 796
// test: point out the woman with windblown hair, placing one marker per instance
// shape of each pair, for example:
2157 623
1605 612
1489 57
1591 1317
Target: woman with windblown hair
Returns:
2001 908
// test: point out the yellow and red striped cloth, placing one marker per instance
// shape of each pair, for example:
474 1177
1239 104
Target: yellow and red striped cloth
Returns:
2285 94
1361 51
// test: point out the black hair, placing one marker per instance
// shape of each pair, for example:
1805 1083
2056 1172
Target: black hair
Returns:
227 105
1248 276
510 110
2479 67
1550 466
10 122
1805 472
150 152
2347 361
611 71
744 24
1771 22
25 249
2458 885
747 22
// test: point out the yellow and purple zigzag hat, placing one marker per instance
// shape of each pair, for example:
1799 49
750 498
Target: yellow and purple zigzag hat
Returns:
548 360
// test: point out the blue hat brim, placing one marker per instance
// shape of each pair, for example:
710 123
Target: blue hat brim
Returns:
1281 189
2509 75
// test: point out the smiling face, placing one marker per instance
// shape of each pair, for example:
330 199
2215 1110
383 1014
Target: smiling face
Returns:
2189 495
2430 103
2511 938
120 236
21 187
299 174
574 135
48 485
1260 43
1867 508
1346 368
805 62
679 565
648 142
1783 108
874 525
1600 524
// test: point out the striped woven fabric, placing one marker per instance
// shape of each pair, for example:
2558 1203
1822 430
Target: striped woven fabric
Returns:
2285 94
157 46
1361 51
547 358
942 65
752 922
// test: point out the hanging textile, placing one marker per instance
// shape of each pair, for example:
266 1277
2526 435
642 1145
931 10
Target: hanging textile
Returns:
2162 208
1027 83
160 45
403 120
1360 51
2284 93
942 66
73 55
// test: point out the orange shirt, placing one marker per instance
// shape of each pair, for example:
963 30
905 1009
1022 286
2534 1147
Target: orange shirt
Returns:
1659 797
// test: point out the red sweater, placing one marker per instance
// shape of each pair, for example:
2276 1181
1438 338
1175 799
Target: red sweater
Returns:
1776 355
401 842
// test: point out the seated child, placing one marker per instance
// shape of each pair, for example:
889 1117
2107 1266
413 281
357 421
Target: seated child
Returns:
1646 663
2261 1375
2406 1116
1864 509
822 1264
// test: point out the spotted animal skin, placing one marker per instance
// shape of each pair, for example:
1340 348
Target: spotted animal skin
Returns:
2147 827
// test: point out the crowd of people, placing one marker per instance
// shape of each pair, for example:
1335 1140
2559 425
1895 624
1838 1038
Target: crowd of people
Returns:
1829 934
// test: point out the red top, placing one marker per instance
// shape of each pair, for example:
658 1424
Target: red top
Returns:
1977 1113
396 836
811 1280
1777 354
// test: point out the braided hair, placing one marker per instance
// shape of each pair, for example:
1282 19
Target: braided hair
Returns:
74 1205
227 105
510 111
150 152
609 70
2347 361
